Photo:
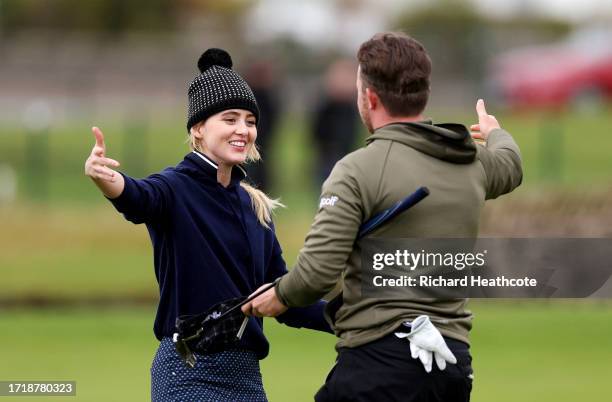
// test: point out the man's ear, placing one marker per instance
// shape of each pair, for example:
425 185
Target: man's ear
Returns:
372 98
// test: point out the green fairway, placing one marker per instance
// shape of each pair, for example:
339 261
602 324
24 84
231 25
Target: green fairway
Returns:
81 252
542 351
525 351
61 241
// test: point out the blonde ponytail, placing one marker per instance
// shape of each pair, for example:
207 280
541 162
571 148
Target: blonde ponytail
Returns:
263 206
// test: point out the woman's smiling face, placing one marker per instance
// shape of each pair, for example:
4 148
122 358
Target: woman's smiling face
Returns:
227 137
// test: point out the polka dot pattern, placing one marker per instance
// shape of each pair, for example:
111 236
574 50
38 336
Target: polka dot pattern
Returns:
217 89
232 375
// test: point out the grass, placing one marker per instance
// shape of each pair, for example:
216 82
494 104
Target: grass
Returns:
528 351
558 149
542 351
72 253
105 352
62 240
79 252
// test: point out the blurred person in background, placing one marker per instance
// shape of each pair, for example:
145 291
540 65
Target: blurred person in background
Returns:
404 152
334 122
212 235
260 77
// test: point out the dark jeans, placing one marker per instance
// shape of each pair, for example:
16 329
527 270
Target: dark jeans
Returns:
383 371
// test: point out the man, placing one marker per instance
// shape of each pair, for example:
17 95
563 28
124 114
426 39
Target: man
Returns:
403 153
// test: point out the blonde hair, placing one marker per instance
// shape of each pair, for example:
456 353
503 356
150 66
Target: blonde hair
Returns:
263 206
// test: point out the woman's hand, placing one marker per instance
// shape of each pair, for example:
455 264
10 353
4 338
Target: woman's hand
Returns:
109 181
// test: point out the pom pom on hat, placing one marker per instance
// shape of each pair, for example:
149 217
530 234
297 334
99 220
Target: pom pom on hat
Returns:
214 57
217 89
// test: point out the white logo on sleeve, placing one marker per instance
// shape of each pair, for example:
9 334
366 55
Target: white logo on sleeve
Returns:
331 201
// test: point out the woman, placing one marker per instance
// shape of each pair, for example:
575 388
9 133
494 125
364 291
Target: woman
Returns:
212 236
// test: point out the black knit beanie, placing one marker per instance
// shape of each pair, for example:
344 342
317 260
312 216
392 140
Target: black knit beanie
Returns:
217 88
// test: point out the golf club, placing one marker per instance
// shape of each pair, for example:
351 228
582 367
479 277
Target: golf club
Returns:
374 223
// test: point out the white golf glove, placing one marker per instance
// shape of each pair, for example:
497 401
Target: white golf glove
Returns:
427 344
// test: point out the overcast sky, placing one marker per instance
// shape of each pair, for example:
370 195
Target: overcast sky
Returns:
322 22
572 10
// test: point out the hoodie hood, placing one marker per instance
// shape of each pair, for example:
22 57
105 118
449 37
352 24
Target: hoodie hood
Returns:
449 142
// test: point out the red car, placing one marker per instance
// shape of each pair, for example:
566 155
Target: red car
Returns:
578 70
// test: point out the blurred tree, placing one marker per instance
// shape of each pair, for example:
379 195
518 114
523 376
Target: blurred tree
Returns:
459 39
216 6
107 16
449 30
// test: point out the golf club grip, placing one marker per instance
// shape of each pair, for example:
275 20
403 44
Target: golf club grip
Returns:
250 298
392 212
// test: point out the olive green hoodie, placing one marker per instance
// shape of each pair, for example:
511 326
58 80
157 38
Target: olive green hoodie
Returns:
399 158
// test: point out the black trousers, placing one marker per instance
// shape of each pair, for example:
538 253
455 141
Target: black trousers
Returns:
383 371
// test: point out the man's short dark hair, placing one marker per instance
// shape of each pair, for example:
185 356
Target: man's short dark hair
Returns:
397 68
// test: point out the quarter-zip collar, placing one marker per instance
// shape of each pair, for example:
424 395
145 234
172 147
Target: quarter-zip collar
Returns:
201 166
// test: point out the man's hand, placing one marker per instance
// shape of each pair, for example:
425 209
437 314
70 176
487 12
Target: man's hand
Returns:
427 344
265 305
486 122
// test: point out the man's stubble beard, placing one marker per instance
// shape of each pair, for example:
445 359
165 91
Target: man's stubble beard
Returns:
365 117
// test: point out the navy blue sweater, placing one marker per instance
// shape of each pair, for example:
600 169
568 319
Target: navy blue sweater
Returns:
208 245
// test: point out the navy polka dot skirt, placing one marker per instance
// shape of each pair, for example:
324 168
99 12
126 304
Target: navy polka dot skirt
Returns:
232 375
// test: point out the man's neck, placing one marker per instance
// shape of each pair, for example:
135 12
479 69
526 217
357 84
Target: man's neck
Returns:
385 120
